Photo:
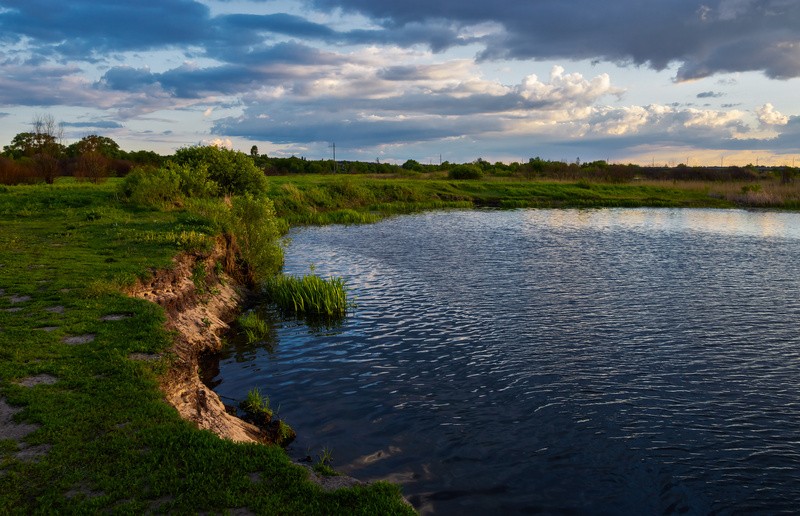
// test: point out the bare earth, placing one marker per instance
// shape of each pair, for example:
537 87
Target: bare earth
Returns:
198 320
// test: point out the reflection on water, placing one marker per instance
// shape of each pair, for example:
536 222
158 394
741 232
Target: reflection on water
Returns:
602 361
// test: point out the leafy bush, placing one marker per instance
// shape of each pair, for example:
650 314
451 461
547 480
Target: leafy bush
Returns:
465 172
233 171
257 230
154 188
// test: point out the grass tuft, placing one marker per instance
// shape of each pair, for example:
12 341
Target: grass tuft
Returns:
308 295
254 327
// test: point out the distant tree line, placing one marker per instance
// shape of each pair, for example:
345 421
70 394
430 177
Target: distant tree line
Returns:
41 156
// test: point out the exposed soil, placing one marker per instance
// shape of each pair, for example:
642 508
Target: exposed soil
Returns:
198 315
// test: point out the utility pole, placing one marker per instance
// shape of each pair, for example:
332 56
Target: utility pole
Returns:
333 146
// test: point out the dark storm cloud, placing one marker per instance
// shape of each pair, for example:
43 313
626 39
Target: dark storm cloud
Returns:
80 28
704 37
281 64
285 24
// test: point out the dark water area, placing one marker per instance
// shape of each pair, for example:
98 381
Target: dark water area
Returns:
637 361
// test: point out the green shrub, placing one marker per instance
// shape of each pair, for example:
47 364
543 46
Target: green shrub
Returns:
233 171
195 181
156 188
257 230
468 171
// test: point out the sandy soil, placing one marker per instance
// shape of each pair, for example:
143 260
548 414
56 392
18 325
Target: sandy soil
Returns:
198 318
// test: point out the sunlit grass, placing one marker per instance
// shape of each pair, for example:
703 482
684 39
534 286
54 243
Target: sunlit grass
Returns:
254 327
308 295
110 443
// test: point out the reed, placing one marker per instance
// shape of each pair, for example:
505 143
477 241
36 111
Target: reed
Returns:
308 295
254 327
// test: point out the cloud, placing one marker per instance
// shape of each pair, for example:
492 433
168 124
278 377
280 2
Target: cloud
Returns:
99 124
80 29
768 115
394 104
715 37
222 143
710 95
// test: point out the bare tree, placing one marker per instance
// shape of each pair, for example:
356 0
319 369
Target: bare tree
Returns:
47 137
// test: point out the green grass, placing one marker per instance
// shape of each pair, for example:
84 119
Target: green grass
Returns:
254 327
67 251
113 444
256 404
329 199
308 295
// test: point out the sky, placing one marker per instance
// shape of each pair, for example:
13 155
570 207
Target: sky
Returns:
700 82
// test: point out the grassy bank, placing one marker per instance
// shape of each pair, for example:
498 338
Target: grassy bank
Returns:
84 427
321 199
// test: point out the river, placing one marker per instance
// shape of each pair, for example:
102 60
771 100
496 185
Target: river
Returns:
613 361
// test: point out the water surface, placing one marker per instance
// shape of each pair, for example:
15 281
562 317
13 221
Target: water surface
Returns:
634 361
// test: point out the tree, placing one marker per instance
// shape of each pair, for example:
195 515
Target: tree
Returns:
233 171
22 145
47 147
254 151
93 166
93 143
412 164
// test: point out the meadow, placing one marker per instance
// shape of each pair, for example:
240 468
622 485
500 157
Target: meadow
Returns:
84 426
88 428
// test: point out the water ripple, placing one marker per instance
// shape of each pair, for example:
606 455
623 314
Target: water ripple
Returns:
601 361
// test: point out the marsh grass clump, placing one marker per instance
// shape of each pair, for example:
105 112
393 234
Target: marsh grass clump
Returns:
258 411
323 466
308 295
256 406
254 327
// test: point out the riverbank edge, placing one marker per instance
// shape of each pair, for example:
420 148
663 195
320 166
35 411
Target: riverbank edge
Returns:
197 315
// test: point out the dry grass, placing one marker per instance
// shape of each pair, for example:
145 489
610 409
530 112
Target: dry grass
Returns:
769 193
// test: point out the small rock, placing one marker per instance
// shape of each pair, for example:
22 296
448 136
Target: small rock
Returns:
79 339
48 328
145 357
15 309
32 453
20 299
55 309
116 317
39 379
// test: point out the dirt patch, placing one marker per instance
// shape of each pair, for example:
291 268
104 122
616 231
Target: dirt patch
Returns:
16 309
115 317
8 428
331 483
55 309
32 453
145 357
79 339
20 299
83 491
39 379
198 319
